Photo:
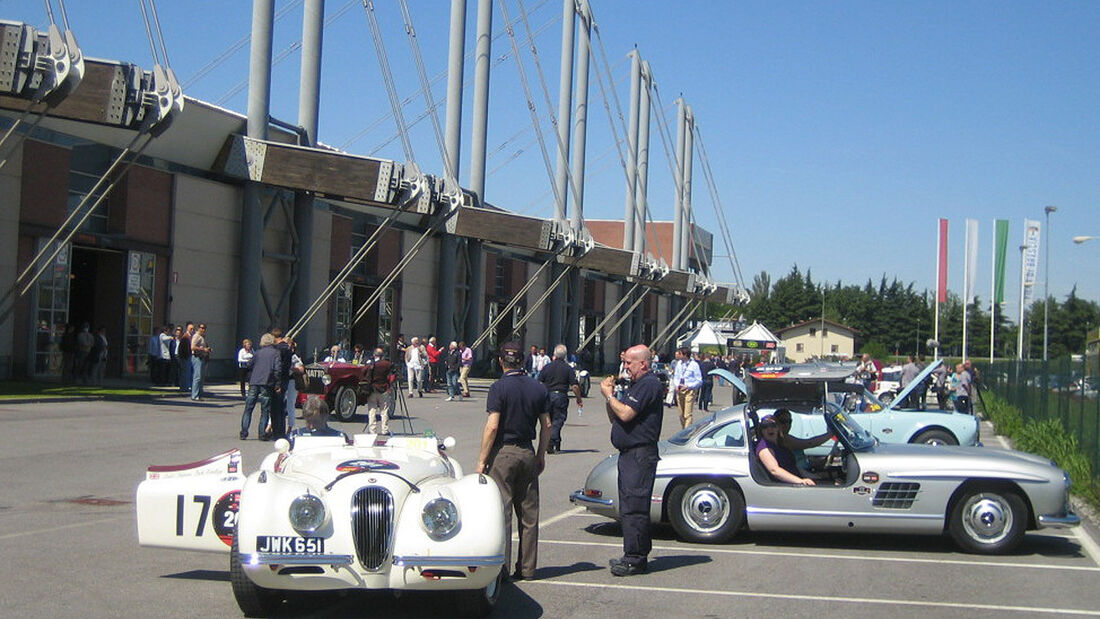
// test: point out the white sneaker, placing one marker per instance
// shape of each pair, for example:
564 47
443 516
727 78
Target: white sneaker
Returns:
449 398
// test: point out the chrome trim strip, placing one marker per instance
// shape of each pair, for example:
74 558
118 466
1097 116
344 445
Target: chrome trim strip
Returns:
275 559
578 496
800 512
1059 522
420 561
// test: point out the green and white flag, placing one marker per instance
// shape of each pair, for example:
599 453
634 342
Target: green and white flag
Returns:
999 254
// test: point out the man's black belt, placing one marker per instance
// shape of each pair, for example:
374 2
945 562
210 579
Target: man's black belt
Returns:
518 443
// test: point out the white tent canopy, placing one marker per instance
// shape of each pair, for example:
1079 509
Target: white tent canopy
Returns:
755 337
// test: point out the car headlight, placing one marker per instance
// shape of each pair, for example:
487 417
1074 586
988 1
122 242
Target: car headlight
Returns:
307 514
326 380
440 518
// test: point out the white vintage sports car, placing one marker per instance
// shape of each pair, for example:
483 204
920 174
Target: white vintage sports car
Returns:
387 513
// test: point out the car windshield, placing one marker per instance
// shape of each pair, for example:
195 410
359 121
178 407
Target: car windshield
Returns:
848 430
683 436
854 398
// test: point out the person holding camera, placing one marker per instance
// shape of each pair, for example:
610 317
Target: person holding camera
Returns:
636 418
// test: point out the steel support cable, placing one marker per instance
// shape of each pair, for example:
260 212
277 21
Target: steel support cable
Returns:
235 47
72 215
607 317
160 33
516 297
717 202
68 237
435 80
530 101
629 311
387 79
149 32
404 262
694 305
607 67
426 88
345 272
542 299
284 54
562 150
660 337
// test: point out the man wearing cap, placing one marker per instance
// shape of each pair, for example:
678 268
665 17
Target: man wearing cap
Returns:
516 404
635 428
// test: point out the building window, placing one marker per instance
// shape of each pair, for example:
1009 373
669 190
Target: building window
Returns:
813 332
342 324
141 270
824 331
799 347
834 348
385 318
51 313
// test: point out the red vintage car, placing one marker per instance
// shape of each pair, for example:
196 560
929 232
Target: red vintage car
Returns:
343 385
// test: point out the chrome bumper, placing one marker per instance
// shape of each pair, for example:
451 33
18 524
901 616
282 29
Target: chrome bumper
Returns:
1062 521
578 498
415 561
277 559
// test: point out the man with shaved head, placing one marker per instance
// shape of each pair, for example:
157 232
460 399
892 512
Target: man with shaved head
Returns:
635 428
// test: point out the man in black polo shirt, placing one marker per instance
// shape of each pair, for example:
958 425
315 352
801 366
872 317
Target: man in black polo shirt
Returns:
516 403
559 377
635 428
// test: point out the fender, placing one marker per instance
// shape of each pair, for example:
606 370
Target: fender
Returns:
191 506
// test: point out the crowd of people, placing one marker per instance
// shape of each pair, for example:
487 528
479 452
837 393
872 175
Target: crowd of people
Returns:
83 353
178 356
953 385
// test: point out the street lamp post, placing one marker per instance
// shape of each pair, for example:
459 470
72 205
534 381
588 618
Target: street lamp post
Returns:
1020 333
1046 284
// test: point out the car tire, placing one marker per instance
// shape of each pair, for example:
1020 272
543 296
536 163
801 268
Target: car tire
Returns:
345 404
988 520
480 602
935 437
252 599
586 385
706 511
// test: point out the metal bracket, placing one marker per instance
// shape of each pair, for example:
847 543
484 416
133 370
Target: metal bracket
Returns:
39 66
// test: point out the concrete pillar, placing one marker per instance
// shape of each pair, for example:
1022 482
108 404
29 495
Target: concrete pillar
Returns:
309 100
482 62
449 245
632 151
252 227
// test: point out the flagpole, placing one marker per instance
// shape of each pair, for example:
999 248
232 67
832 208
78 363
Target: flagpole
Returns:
992 291
941 228
1020 330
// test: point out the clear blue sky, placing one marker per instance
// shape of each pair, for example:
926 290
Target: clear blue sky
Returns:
838 132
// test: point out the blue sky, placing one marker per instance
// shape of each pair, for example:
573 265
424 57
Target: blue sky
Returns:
838 132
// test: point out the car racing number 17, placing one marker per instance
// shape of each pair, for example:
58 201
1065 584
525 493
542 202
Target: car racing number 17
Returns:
221 514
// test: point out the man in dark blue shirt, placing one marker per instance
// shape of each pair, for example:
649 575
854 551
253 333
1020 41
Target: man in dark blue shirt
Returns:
267 372
559 378
516 404
635 428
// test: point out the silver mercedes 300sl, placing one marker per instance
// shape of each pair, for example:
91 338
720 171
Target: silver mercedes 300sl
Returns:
711 484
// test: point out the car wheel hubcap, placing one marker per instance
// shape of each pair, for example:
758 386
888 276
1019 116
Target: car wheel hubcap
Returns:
706 507
987 518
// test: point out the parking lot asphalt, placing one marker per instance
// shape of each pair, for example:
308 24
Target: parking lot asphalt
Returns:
68 535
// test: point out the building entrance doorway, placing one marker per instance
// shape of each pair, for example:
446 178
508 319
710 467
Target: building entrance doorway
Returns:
97 297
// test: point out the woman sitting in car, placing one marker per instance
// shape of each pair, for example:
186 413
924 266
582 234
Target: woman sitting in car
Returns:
775 454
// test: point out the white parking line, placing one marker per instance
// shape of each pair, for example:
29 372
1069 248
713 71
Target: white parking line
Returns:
576 511
817 598
831 557
62 527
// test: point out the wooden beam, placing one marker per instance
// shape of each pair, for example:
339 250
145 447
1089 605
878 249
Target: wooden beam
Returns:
503 228
609 260
325 173
99 98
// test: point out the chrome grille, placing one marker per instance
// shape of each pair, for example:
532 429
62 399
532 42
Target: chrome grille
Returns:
372 525
896 495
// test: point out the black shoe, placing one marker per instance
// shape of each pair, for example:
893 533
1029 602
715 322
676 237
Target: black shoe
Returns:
553 448
517 576
622 568
243 436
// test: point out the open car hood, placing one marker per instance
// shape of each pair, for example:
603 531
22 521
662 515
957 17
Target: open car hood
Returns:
919 380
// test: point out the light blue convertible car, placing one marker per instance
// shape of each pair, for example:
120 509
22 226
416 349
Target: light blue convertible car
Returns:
798 387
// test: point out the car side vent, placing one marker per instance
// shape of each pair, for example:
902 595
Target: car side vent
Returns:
372 525
896 495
